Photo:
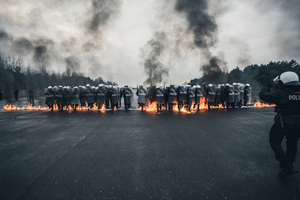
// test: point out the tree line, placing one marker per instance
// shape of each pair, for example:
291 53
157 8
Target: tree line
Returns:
256 75
15 75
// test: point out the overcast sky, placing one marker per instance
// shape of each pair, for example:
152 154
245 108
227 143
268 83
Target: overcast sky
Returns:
125 40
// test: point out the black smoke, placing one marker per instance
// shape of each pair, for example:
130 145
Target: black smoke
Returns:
23 46
72 65
200 22
212 73
204 29
153 66
3 35
101 11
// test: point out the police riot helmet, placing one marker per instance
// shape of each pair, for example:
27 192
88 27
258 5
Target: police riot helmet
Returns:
248 85
288 77
210 85
227 84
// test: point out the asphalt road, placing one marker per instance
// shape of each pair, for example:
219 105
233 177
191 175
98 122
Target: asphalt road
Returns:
213 154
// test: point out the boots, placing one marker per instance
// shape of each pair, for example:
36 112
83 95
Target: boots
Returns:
287 169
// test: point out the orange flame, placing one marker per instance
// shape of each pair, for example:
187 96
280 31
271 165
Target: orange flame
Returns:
152 107
259 104
11 107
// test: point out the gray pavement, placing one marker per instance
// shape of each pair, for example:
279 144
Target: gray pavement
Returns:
213 154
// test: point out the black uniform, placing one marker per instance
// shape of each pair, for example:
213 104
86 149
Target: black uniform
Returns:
30 94
16 93
286 122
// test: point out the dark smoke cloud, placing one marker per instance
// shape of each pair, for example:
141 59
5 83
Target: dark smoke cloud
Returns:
101 11
215 69
3 35
72 65
153 66
200 22
23 46
40 54
204 29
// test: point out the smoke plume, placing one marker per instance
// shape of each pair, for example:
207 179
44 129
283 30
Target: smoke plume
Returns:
153 65
102 11
200 22
58 34
204 29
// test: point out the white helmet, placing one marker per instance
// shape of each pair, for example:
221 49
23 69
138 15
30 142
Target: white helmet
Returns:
248 84
49 87
210 85
234 84
287 77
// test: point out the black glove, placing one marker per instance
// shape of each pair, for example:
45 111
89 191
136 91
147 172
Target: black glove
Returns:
269 85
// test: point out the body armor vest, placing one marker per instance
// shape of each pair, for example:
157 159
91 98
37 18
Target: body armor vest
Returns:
291 105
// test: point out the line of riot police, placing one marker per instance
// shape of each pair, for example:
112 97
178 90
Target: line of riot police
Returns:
170 96
182 96
186 96
237 94
83 96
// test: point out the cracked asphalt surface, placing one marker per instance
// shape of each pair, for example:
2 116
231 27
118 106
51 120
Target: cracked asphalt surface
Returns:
213 154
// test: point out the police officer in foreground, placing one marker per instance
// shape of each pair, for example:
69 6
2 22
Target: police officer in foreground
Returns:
287 121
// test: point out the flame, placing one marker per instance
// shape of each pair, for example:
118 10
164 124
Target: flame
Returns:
148 107
11 107
259 104
152 107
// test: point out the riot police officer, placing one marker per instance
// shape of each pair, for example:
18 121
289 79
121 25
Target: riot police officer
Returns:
287 121
247 94
49 97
